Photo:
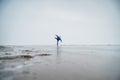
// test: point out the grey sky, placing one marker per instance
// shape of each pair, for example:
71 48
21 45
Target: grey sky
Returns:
77 21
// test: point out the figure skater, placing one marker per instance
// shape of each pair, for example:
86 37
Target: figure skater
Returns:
58 38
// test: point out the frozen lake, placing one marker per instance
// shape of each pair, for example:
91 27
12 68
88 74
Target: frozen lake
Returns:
73 62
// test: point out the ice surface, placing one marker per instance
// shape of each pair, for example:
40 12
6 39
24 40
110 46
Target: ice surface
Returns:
74 62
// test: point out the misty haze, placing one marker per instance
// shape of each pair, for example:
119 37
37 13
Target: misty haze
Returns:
59 40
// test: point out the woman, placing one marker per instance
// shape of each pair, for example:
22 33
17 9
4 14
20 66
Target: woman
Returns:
58 38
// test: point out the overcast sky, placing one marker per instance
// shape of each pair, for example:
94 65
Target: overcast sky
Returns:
76 21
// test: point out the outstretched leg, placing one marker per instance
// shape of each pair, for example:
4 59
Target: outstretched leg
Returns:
57 42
